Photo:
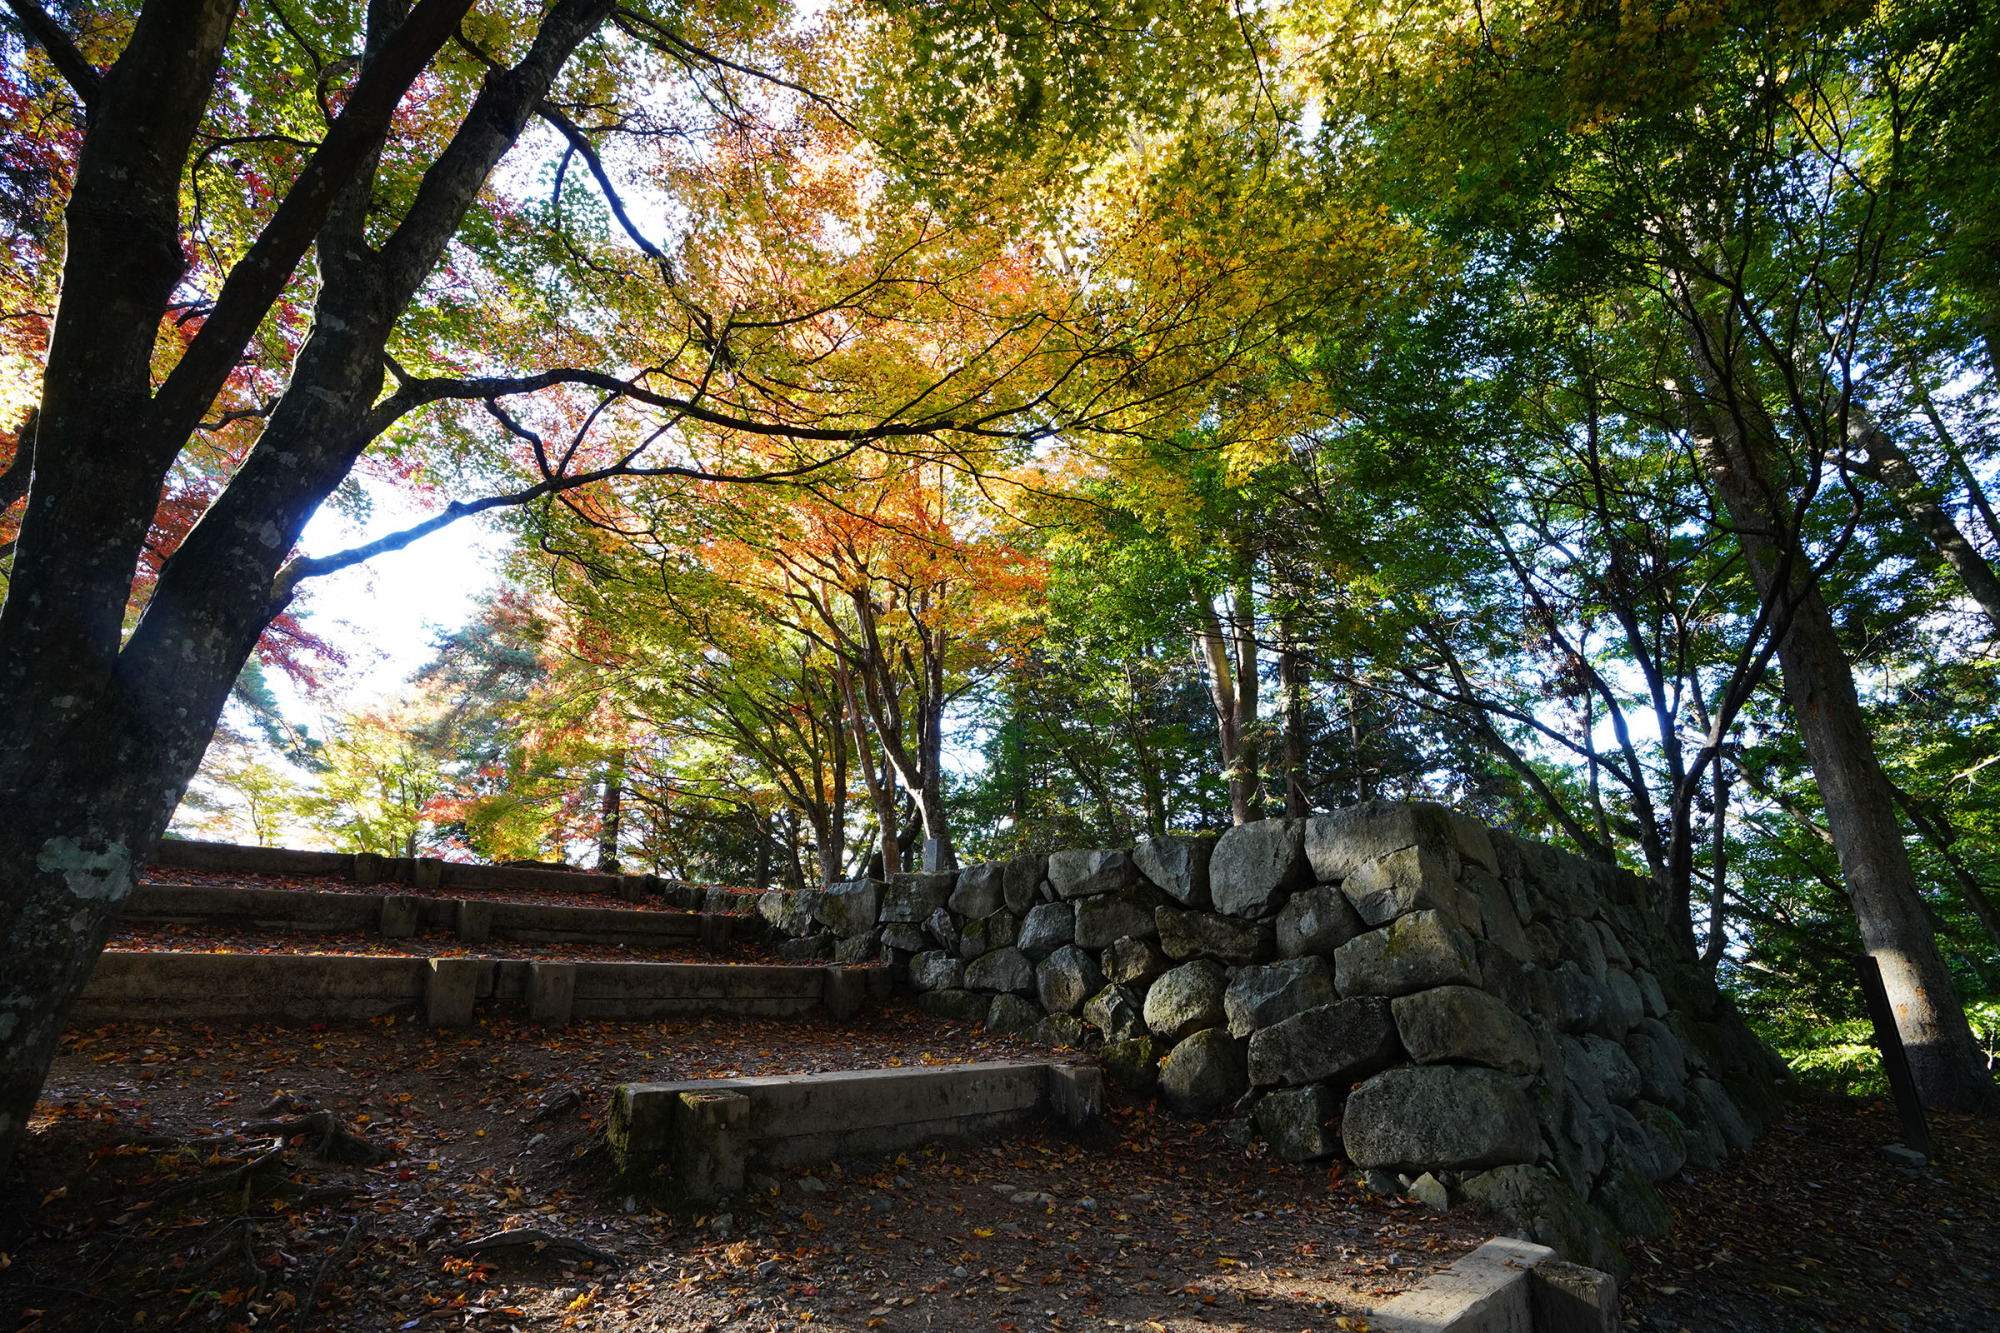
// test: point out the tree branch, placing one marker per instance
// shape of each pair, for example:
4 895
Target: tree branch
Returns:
77 72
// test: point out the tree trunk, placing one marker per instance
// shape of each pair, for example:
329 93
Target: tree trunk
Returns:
1889 463
610 809
1739 448
1293 676
98 737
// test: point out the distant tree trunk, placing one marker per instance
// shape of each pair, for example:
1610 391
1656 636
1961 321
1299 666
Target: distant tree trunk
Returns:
1144 761
763 852
1718 893
1234 695
1889 464
881 783
1739 447
1294 678
610 809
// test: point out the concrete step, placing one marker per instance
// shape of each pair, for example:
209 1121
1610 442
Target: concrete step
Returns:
705 1133
475 920
302 988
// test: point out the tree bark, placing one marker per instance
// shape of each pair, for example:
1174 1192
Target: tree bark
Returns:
1740 450
99 739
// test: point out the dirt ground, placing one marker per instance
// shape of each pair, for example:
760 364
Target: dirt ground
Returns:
1815 1228
1150 1224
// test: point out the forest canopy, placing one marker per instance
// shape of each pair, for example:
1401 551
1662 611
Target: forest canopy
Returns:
928 432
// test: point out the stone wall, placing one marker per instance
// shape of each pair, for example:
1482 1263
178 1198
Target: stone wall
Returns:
1462 1013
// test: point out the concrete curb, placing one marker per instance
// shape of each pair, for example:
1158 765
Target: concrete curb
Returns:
303 988
1505 1286
703 1134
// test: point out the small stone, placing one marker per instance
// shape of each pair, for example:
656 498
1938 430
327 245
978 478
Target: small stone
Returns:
1110 917
934 969
1239 1132
1903 1156
956 1006
941 927
1460 1025
1261 996
1334 1043
1294 1123
1429 1191
1439 1117
1008 1014
1178 865
1046 928
1204 1073
1086 874
1005 970
1132 960
1420 950
1066 978
1133 1064
1186 1000
1255 865
1115 1011
983 936
1316 921
981 891
1381 1184
1185 935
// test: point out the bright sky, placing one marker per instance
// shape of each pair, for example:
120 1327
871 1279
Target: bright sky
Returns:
385 613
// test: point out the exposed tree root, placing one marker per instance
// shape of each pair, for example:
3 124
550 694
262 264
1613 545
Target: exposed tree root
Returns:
325 1138
540 1243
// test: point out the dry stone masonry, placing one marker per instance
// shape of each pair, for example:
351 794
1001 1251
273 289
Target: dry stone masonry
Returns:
1463 1013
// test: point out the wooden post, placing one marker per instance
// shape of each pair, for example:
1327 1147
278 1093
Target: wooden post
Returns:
1916 1131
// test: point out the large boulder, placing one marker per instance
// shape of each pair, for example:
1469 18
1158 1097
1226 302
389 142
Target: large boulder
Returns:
1184 934
1418 951
1005 970
1260 996
1066 978
1133 1064
1046 928
1667 1136
1086 874
1628 1200
1255 865
1007 1015
1615 1069
934 969
955 1006
1579 998
999 931
1110 917
1064 1030
1718 1109
1178 865
1410 880
1186 1000
1022 883
790 912
903 938
1294 1123
1662 1065
1132 960
1117 1012
1624 1004
1316 921
1334 1044
942 927
1536 1206
857 951
1474 841
1439 1118
912 898
1499 919
1460 1025
981 890
1338 844
852 907
1203 1074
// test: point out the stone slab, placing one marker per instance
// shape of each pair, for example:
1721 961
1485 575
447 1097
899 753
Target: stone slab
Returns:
798 1120
1487 1291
